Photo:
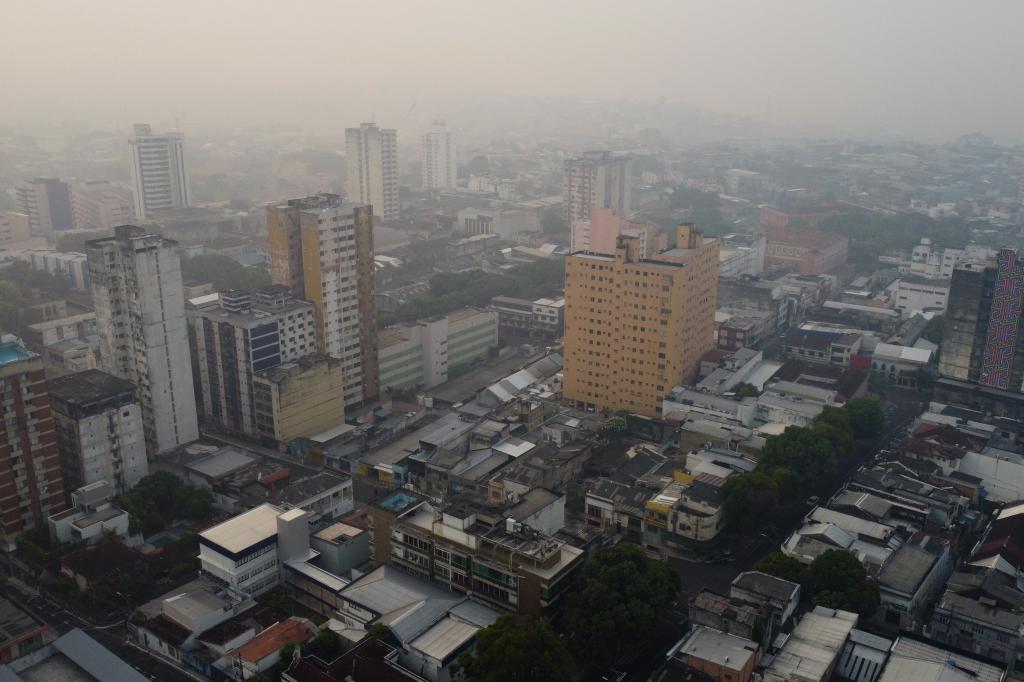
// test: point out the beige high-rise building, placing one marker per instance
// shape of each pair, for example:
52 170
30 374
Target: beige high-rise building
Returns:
596 180
371 175
322 249
635 327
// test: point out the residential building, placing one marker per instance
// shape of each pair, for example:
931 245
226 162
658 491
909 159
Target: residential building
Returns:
634 327
777 599
741 254
322 249
372 658
371 155
466 548
100 434
911 579
14 228
901 365
91 517
47 203
518 317
427 352
983 342
247 552
917 658
140 316
44 334
298 399
99 206
933 261
508 223
158 173
808 252
716 656
596 180
33 487
72 265
599 233
439 157
239 335
263 651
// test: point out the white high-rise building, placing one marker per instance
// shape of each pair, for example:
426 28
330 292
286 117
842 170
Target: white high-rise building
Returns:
140 317
596 180
372 169
439 156
159 178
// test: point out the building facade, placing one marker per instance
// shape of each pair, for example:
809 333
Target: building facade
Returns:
99 430
297 399
98 206
322 249
47 203
159 177
14 228
599 232
596 180
242 334
808 252
982 340
140 316
635 328
372 169
439 157
31 486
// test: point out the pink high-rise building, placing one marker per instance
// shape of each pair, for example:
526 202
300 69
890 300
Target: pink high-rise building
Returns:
599 233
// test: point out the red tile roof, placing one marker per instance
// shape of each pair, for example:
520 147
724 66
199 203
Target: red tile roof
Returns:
273 638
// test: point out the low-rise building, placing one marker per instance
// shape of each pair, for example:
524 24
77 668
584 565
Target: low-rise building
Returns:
811 652
521 318
808 252
298 399
716 656
911 579
91 517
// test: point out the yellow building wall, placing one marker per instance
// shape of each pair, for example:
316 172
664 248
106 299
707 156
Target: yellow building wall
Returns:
310 401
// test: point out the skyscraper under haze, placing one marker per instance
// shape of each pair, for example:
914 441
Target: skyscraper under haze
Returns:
47 203
439 157
372 169
159 177
596 180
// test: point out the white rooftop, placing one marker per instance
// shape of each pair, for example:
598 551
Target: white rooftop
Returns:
813 646
245 530
890 351
718 647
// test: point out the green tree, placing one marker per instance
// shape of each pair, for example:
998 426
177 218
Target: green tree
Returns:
380 631
867 418
224 273
782 566
836 579
750 500
806 453
833 424
745 390
517 649
326 645
615 602
614 427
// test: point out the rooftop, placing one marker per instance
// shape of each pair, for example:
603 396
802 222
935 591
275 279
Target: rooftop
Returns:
11 351
88 386
227 460
910 564
245 530
718 647
766 585
14 622
814 645
273 638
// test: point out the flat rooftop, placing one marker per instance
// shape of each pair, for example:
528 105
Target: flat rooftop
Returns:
245 530
225 461
88 386
717 647
12 352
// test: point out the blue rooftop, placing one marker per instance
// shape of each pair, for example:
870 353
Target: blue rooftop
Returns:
12 352
398 502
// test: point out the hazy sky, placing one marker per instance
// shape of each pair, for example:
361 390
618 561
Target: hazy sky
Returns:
922 68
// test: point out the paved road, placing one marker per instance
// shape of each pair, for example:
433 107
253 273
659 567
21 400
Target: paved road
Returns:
112 635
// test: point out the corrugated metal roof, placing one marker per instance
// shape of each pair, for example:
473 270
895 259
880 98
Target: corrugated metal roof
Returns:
95 659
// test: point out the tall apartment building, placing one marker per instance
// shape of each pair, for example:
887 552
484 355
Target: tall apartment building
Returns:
982 340
242 334
99 430
635 327
47 203
99 206
372 169
14 228
159 177
596 180
601 230
438 154
31 487
140 316
322 249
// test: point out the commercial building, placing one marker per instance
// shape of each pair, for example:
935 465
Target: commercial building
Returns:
634 328
246 552
47 203
741 254
371 155
982 342
596 180
508 223
14 228
427 352
158 173
99 206
100 436
298 399
439 157
239 335
140 316
467 548
322 249
31 486
600 232
519 317
808 252
915 294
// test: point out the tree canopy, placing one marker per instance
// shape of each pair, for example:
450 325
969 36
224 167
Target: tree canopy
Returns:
836 579
616 601
517 649
749 499
161 498
223 272
801 450
867 418
782 566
